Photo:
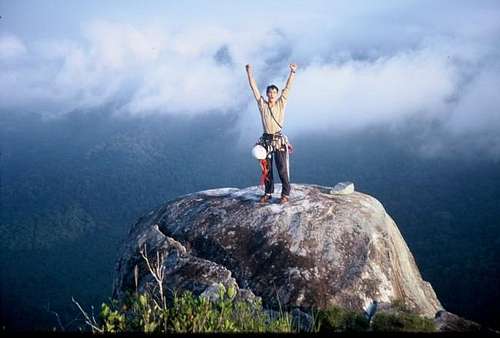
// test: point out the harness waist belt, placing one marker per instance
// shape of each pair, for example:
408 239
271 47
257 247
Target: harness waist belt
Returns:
270 136
271 142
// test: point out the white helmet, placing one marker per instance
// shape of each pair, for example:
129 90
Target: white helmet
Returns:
259 152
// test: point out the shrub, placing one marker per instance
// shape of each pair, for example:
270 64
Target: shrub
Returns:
140 312
336 318
402 319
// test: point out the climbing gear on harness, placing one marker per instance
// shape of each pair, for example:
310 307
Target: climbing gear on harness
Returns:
271 143
288 162
265 172
259 152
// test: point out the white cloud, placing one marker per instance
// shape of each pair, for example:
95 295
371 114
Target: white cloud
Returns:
356 94
359 66
479 107
11 47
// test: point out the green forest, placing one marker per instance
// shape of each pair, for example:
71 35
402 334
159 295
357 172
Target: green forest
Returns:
72 187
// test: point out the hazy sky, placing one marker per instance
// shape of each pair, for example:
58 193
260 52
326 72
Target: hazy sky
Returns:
361 63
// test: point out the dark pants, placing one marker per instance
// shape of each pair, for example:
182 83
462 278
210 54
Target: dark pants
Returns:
280 159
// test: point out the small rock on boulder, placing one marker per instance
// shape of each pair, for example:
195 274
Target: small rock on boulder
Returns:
343 188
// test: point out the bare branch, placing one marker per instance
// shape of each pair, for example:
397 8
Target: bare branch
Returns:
88 321
57 317
157 270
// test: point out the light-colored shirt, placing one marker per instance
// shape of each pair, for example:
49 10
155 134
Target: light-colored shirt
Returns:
278 110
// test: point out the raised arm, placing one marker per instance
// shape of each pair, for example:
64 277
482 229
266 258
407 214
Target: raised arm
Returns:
253 83
288 85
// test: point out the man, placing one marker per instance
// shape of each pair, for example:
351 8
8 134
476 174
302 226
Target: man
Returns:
272 113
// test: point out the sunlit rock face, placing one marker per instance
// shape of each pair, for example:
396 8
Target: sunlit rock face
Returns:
317 250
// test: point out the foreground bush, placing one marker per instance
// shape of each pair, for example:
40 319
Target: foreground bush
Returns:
402 319
399 318
140 312
402 322
336 318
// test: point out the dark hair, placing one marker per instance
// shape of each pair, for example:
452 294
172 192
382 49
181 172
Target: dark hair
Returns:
271 87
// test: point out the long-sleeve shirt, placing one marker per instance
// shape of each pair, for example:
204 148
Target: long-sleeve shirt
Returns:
278 111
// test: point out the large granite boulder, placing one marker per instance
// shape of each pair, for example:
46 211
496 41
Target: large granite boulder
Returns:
319 249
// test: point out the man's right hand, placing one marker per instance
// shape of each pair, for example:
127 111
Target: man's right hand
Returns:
252 82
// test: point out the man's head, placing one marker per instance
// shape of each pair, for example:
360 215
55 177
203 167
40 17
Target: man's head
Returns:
272 93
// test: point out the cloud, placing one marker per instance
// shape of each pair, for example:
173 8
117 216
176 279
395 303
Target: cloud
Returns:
478 109
150 70
356 94
11 47
360 66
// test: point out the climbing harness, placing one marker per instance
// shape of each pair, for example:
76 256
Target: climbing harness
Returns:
271 143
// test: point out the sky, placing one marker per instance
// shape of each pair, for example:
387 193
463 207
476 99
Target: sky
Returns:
361 64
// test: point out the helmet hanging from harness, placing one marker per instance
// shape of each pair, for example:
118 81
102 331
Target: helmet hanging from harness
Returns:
269 143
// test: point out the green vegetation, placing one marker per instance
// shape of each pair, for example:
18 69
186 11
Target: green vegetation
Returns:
399 318
402 322
336 318
140 312
402 319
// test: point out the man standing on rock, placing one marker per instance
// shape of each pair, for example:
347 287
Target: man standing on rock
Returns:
272 113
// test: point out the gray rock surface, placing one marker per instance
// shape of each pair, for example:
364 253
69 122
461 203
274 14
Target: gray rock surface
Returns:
447 321
317 250
343 188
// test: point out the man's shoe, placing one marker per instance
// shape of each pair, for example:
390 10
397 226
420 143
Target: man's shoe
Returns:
284 199
264 198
